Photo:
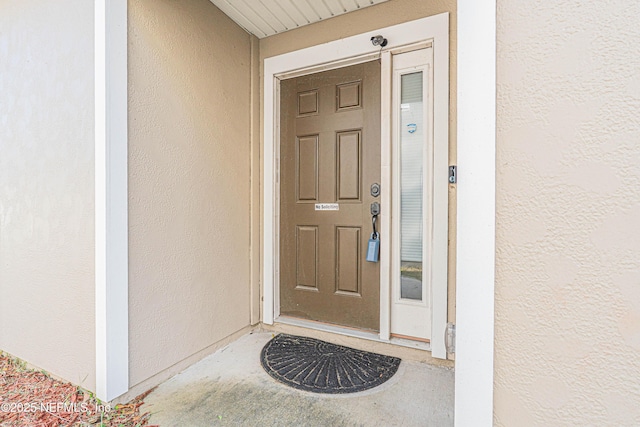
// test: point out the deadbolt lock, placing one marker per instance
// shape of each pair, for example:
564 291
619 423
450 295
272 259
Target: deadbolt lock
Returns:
375 189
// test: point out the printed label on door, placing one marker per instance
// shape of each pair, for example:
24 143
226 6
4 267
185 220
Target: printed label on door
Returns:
327 207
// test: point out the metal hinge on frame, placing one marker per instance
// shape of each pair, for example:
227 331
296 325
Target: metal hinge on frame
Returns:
453 174
450 338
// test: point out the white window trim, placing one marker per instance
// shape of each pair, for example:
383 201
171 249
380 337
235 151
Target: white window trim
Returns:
476 119
111 204
435 239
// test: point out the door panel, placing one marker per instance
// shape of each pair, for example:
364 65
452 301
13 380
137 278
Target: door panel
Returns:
329 153
307 103
307 257
348 179
348 256
307 168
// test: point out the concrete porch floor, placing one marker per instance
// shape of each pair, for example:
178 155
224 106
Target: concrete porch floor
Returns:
230 388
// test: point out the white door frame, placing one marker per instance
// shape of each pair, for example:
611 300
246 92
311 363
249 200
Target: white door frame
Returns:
432 30
476 121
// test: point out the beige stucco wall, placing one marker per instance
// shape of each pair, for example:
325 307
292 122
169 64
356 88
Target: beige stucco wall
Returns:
371 18
189 177
46 186
567 344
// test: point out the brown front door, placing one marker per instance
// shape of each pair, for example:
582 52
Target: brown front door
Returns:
329 157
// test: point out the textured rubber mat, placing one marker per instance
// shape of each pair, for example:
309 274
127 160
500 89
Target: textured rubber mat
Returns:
320 367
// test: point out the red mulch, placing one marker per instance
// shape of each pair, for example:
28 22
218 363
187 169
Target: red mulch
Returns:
34 399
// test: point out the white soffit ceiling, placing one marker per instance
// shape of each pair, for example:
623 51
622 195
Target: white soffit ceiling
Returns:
264 18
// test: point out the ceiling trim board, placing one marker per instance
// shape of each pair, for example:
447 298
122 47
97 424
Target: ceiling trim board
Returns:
264 18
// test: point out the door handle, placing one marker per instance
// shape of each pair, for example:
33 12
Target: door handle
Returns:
375 208
375 211
373 247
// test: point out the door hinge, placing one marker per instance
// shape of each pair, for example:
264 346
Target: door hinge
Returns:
453 174
450 338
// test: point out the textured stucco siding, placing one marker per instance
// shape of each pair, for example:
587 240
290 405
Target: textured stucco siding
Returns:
567 343
46 186
189 177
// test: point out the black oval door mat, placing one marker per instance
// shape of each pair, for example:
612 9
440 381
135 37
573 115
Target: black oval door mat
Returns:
320 367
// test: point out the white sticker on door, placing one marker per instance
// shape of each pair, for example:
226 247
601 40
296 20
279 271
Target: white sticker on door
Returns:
327 207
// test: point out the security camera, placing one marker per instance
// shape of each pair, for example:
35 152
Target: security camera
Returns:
378 41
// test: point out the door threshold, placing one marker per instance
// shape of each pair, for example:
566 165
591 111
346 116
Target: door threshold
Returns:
406 337
351 332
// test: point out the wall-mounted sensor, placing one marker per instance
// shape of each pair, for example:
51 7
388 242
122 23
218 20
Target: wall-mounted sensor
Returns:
378 41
